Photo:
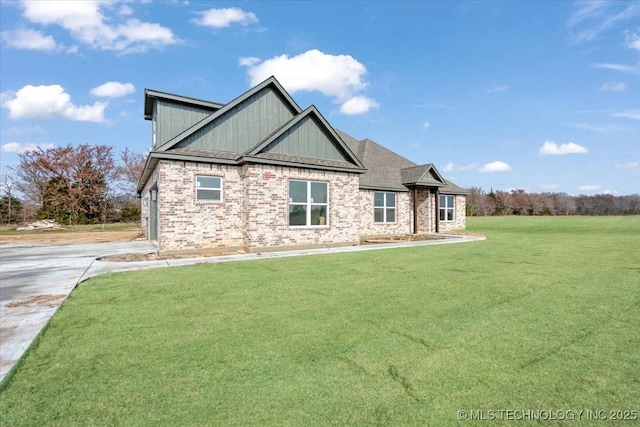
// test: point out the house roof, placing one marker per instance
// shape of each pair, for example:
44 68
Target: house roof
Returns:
387 170
151 95
424 175
380 168
451 188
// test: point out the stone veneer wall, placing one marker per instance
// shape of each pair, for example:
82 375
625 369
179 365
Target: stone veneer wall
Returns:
459 216
267 208
402 224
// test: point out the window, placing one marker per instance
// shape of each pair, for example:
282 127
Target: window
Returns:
447 208
308 203
384 207
208 188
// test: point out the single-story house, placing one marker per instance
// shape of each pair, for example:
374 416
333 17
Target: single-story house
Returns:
260 173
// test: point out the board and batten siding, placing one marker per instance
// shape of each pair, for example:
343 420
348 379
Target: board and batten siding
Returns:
307 139
171 119
238 129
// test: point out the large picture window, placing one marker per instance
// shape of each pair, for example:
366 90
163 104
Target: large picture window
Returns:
208 188
384 207
447 208
308 203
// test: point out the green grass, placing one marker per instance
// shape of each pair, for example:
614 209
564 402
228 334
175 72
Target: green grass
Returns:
543 315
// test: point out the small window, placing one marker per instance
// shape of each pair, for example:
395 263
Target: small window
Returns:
447 208
384 207
208 188
308 203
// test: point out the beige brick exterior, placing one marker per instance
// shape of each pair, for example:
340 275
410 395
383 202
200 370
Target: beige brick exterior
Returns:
402 224
253 213
459 216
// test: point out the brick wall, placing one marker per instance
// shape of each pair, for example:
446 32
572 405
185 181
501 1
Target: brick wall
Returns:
267 208
404 216
183 222
254 209
459 216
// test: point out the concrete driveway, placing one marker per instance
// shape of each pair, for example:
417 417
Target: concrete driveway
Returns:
35 279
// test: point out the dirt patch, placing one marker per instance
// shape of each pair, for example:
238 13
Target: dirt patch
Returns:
155 257
400 238
38 300
466 233
61 238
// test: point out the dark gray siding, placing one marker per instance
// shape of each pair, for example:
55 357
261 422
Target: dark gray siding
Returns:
173 118
243 126
307 139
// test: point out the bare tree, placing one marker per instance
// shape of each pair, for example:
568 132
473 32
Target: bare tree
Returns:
8 183
68 183
130 170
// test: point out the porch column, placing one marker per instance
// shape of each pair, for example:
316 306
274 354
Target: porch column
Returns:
415 210
437 196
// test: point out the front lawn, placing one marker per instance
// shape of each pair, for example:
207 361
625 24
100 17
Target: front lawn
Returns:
542 316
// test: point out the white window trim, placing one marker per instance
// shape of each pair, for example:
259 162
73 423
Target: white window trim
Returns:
384 207
209 188
308 205
451 208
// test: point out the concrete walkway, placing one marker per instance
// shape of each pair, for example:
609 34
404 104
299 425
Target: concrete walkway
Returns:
36 279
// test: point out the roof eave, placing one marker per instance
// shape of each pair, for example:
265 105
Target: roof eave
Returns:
383 188
150 94
251 159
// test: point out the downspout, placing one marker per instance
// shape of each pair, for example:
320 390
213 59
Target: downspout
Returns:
415 210
437 213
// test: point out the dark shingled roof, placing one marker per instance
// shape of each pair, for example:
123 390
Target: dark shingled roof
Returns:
451 188
383 165
387 170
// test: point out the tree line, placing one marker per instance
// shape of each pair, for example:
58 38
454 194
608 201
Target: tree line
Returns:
88 184
83 184
519 202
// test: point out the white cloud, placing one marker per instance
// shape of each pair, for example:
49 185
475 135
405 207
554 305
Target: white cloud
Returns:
633 41
223 18
28 39
497 89
589 187
17 147
125 10
248 61
426 125
550 148
358 105
45 102
591 18
630 69
627 166
452 167
96 24
613 86
336 76
628 114
496 166
113 90
596 128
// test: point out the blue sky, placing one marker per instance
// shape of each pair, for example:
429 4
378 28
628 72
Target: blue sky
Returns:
541 96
